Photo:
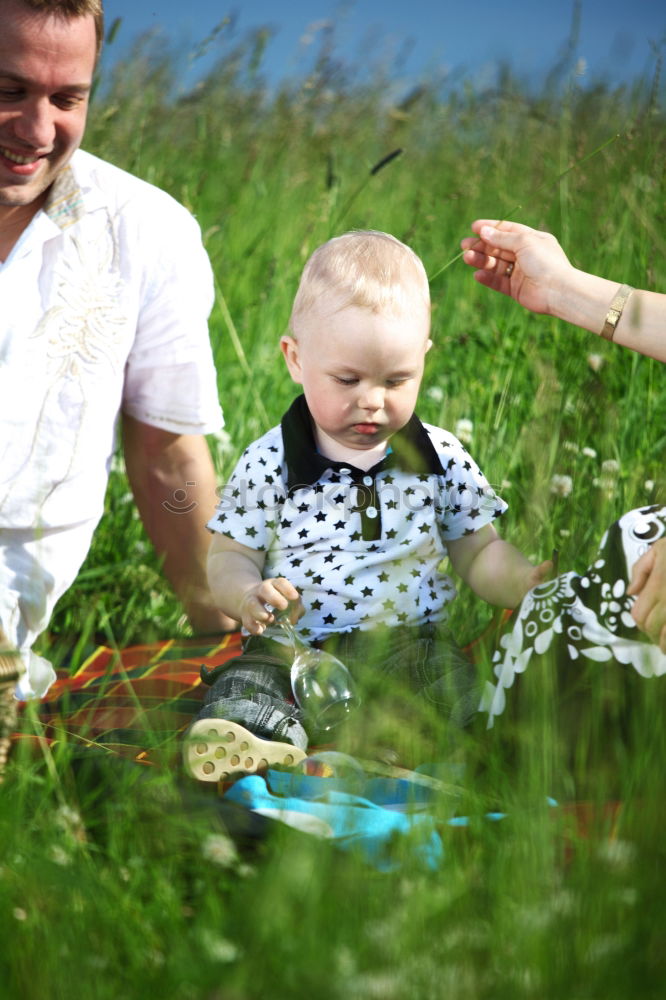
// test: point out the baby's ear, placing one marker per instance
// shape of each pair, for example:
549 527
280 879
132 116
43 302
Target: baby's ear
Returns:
289 348
428 344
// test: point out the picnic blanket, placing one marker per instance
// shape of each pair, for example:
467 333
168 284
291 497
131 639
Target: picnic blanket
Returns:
136 702
132 702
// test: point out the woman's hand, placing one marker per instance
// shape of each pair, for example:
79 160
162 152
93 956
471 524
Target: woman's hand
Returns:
648 580
517 261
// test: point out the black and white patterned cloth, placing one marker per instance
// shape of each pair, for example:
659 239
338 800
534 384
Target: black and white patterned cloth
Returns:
579 618
362 547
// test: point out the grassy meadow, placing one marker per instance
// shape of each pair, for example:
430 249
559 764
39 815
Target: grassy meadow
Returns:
118 882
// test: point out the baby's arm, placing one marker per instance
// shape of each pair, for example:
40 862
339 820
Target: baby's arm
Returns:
238 588
494 569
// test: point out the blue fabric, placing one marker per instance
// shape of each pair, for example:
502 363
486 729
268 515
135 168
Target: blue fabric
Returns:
385 819
391 793
384 837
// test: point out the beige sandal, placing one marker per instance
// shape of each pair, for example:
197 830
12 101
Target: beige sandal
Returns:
216 749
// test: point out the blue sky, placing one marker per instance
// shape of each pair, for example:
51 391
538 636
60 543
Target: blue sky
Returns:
432 37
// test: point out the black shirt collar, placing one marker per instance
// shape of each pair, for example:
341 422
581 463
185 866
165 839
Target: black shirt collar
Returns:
411 450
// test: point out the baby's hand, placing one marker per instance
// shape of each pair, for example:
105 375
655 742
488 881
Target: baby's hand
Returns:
277 593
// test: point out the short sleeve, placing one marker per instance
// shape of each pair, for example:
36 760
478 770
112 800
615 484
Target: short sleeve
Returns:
170 378
251 504
466 500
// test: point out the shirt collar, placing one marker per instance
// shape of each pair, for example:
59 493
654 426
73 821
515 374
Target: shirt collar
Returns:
64 205
411 450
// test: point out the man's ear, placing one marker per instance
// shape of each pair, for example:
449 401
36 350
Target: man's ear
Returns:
289 348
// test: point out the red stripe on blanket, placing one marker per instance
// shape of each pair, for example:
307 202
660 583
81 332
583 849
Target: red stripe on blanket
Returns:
136 696
129 698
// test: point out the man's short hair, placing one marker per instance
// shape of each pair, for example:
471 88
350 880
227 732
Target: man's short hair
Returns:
363 268
69 9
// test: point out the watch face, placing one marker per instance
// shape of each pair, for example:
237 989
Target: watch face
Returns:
615 311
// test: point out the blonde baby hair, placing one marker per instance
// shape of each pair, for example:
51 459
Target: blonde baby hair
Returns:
365 268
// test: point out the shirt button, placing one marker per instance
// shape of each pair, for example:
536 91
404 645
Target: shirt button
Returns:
371 512
345 472
367 480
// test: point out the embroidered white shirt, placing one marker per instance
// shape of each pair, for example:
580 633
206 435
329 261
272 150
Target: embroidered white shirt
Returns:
104 303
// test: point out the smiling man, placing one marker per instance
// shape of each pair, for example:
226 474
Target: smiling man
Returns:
46 66
105 290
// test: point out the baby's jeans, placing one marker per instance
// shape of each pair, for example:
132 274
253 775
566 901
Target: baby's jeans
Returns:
254 689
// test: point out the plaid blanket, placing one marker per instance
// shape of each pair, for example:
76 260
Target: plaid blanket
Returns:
132 702
135 703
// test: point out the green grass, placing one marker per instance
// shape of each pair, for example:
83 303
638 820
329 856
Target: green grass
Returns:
107 887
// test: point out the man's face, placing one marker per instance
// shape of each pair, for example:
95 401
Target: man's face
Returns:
46 70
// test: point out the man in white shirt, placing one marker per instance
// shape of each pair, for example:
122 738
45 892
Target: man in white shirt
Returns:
105 290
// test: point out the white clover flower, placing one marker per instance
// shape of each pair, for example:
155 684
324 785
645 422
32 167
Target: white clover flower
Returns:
224 442
60 856
595 361
19 913
220 849
464 430
68 819
571 446
607 481
219 949
607 484
589 452
644 182
648 485
435 393
561 486
505 485
565 533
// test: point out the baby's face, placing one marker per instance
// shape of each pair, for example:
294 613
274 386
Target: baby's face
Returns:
360 371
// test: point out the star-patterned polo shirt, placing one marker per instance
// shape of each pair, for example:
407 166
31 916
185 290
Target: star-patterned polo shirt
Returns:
362 547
